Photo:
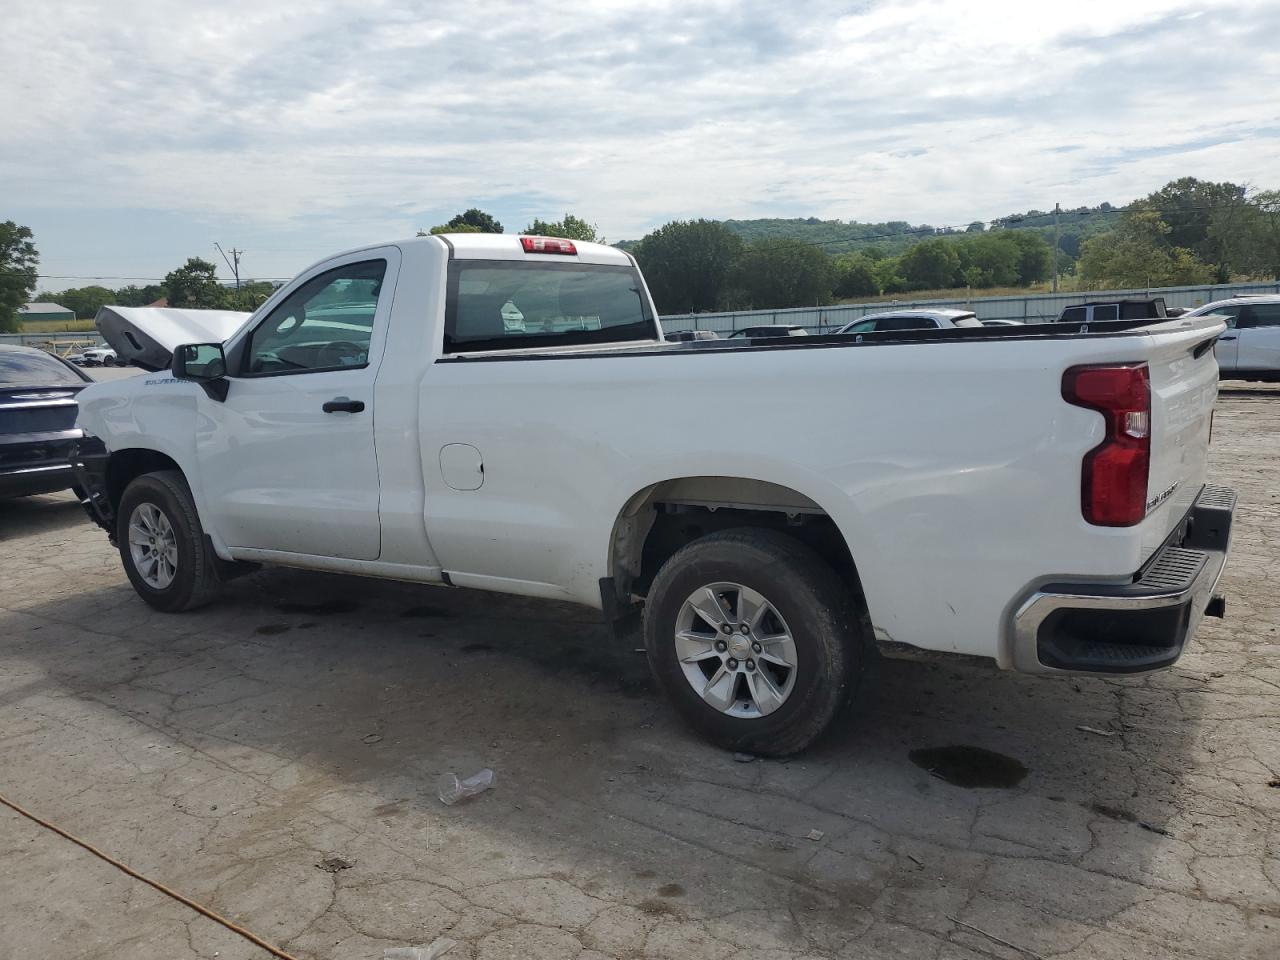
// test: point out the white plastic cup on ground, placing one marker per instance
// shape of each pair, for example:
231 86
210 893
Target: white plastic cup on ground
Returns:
451 789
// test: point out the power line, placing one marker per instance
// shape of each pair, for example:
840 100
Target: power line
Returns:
77 276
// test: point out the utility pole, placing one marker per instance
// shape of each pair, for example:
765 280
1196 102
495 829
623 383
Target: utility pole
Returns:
1057 208
233 263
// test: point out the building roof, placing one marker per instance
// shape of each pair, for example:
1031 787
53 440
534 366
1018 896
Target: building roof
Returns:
43 308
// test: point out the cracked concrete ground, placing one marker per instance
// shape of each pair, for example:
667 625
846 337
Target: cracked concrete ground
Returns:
306 717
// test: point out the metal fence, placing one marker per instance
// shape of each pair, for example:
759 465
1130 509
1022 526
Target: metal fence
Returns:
63 344
1032 308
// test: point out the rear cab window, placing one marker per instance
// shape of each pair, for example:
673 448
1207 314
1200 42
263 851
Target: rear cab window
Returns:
514 305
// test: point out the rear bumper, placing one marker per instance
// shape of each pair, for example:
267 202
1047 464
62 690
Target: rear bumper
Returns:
1132 627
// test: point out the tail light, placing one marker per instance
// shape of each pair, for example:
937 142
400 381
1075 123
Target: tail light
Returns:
548 245
1113 487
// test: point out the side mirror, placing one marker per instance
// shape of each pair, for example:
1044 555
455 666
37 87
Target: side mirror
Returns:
206 364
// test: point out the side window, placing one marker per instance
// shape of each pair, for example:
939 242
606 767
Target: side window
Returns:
325 324
906 323
1106 311
1232 314
1265 314
866 326
1073 315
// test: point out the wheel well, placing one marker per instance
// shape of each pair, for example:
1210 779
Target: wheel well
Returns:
126 465
664 517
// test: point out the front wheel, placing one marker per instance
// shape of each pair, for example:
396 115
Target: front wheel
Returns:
162 544
755 639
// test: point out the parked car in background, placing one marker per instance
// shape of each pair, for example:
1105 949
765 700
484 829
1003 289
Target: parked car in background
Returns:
684 336
416 436
912 320
38 432
1250 348
773 330
95 357
1101 311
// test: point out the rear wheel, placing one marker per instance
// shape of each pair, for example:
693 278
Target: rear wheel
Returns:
162 544
755 639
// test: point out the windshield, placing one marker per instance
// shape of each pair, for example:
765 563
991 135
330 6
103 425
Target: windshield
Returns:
507 305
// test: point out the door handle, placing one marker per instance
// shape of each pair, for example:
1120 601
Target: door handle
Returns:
1226 338
342 405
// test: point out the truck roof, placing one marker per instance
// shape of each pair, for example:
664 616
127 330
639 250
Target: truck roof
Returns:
504 246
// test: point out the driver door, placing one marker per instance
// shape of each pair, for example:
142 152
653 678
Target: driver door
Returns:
287 460
1258 348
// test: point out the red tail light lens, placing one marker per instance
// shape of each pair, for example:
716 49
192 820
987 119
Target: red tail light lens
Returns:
548 245
1113 487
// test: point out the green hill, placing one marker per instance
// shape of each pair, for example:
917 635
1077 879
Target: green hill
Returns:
895 236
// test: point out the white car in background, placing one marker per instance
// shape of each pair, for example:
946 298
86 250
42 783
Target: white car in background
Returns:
1250 348
912 320
95 357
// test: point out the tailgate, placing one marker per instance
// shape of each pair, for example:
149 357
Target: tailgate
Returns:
1184 388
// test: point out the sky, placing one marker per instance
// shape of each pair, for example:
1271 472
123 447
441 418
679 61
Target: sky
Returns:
135 136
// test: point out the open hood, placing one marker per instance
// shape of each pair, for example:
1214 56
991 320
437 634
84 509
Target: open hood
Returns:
147 336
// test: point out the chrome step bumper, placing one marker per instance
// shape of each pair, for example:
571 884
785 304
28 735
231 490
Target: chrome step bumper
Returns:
1132 627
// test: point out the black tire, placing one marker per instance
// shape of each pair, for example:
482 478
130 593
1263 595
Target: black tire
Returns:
108 362
816 606
195 580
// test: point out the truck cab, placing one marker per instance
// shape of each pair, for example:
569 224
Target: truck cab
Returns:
1102 311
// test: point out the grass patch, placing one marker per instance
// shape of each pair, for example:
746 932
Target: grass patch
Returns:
58 326
962 293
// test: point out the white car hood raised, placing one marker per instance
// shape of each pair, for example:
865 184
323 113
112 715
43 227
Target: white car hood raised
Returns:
147 336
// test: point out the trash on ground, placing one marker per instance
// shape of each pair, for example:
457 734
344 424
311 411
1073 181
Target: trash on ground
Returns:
815 835
334 864
992 937
451 789
1154 829
437 948
744 757
1094 730
916 860
371 738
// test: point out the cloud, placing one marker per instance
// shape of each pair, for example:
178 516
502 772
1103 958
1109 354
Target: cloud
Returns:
371 118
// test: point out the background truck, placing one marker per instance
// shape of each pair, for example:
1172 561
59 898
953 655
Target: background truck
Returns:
1032 495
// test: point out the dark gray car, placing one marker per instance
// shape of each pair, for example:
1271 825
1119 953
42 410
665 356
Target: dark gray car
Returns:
38 432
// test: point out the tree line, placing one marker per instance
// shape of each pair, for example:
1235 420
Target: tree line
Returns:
194 285
701 265
1189 231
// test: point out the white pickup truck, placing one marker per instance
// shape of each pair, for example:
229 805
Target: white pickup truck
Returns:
1033 495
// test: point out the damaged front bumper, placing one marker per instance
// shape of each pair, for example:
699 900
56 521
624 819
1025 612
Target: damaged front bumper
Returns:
89 467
